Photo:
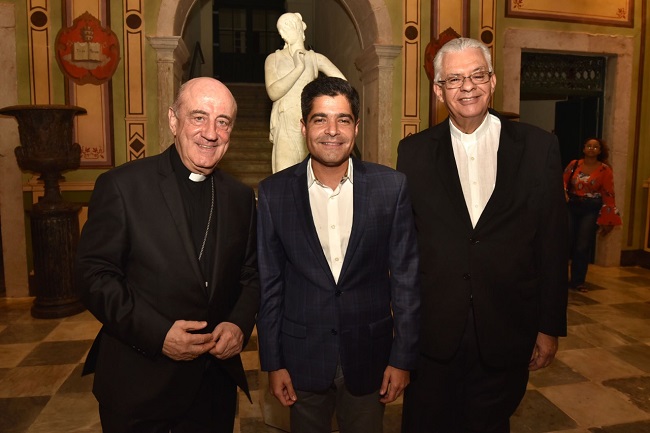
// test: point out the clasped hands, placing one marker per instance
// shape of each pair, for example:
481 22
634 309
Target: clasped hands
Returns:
182 344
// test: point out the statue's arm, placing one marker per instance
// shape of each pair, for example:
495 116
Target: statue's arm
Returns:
327 67
277 86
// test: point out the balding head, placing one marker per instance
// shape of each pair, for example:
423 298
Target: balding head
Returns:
201 120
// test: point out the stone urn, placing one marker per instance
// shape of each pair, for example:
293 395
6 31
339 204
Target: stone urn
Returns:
46 148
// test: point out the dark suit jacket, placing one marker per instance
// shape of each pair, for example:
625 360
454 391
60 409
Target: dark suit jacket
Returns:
138 272
307 321
512 266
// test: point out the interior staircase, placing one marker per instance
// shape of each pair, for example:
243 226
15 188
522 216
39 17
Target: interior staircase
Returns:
249 155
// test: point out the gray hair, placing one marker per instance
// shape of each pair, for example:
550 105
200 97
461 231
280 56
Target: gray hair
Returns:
457 45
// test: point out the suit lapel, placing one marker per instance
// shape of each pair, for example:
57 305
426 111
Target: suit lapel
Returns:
508 159
172 195
445 165
222 216
359 214
301 197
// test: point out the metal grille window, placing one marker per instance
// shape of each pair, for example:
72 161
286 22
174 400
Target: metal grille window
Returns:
244 33
232 30
265 30
552 74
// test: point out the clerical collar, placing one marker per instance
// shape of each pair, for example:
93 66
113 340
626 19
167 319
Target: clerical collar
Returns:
183 172
197 177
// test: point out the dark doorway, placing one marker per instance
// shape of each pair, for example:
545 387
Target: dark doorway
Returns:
244 34
576 120
577 85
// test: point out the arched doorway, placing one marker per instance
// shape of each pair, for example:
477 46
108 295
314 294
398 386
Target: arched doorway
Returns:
375 64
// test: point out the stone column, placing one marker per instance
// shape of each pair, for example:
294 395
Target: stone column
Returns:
171 54
376 66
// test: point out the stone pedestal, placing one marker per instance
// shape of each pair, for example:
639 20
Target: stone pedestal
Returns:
55 235
46 148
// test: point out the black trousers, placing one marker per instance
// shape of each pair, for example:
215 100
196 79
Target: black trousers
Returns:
462 395
583 217
212 411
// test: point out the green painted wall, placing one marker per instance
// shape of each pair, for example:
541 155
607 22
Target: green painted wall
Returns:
638 169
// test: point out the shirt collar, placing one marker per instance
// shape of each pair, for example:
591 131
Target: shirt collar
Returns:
197 177
311 178
474 136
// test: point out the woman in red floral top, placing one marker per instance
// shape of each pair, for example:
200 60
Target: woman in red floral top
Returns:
589 183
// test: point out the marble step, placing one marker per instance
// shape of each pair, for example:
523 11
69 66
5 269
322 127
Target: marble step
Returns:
250 179
237 153
240 166
260 145
249 155
252 125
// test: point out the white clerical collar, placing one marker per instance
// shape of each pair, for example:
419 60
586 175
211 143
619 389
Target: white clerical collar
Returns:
197 177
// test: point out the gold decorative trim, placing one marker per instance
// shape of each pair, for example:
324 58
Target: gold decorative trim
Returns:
134 80
488 28
94 130
136 127
488 25
40 71
446 15
411 69
619 13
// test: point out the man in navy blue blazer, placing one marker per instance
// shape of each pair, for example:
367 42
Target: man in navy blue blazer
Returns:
339 318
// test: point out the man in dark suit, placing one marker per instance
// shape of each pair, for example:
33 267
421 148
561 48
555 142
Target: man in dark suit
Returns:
339 316
167 262
491 221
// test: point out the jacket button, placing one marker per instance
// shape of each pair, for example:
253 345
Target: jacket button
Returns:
473 241
338 293
333 331
466 276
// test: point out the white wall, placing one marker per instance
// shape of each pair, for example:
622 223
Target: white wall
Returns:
539 113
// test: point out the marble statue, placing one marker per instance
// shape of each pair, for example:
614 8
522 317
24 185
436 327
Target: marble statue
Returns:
287 71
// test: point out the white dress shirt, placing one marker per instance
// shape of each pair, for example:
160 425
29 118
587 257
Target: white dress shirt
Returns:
476 160
332 212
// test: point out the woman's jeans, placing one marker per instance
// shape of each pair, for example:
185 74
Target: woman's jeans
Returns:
583 213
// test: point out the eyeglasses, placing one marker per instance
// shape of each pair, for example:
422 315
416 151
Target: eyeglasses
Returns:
595 146
456 81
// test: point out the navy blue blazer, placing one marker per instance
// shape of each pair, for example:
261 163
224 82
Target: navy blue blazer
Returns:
370 319
512 266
